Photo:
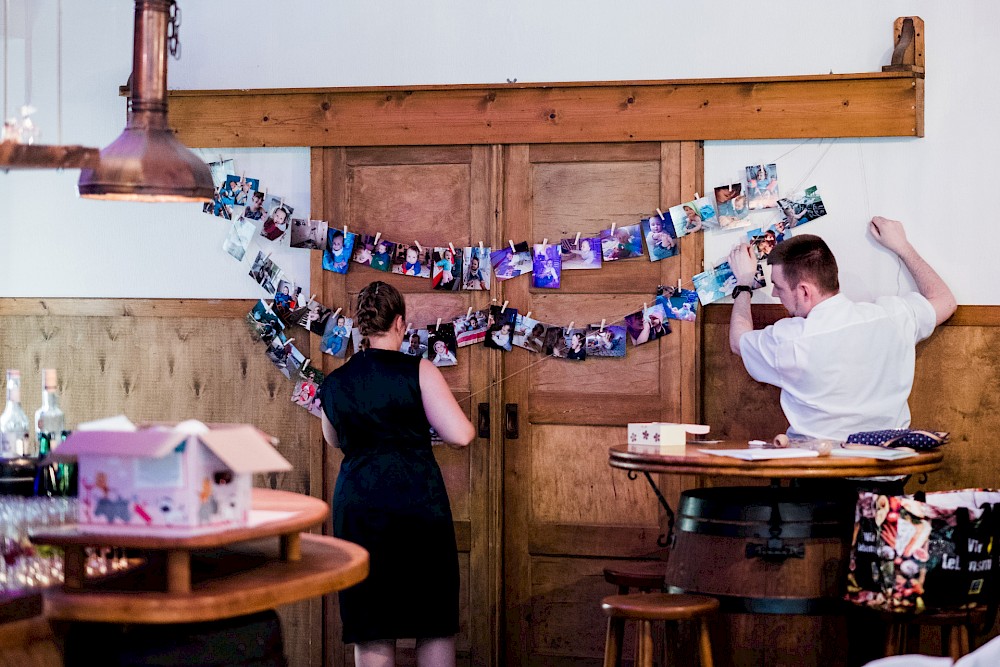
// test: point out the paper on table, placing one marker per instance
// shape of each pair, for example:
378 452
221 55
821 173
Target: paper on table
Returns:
873 452
762 454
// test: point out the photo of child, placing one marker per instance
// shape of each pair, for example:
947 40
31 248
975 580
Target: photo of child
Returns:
529 333
236 190
693 216
382 258
660 239
801 207
315 317
509 263
264 322
555 341
732 205
335 335
306 395
284 299
238 239
278 219
762 186
339 247
447 273
255 209
364 249
576 344
442 345
714 284
583 255
471 328
412 260
309 234
643 327
622 243
607 341
679 304
284 355
476 261
500 329
265 272
414 342
546 266
763 241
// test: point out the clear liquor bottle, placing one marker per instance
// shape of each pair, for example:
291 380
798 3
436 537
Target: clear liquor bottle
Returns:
14 440
52 478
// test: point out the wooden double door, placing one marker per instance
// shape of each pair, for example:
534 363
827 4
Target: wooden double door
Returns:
538 511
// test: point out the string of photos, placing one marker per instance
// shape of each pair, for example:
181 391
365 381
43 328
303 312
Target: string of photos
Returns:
257 215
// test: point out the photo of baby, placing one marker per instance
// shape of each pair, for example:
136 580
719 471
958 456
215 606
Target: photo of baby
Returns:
607 341
762 186
335 335
382 257
621 243
414 342
441 344
471 328
264 322
285 299
309 234
306 395
801 207
661 241
731 203
476 263
679 304
447 270
546 265
575 341
339 247
412 260
254 210
364 249
508 263
714 284
278 219
265 272
529 334
583 255
693 216
643 327
236 190
500 329
238 239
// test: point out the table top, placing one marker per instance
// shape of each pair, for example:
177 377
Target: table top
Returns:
693 462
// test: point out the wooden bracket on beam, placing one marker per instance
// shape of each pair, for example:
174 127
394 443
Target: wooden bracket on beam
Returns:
908 54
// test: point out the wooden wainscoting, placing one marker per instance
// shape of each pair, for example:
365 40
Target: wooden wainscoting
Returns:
169 360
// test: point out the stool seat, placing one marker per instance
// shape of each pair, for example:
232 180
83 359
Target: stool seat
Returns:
659 606
642 576
958 629
973 616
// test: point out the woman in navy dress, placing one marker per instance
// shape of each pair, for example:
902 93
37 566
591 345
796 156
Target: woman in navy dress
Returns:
390 496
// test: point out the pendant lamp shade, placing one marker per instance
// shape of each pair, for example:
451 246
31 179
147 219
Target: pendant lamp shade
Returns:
147 162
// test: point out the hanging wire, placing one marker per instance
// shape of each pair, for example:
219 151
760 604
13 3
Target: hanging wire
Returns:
59 120
6 59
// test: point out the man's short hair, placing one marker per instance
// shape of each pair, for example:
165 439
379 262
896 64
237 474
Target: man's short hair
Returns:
807 257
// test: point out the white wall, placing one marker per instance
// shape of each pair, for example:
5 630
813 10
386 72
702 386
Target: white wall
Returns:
105 249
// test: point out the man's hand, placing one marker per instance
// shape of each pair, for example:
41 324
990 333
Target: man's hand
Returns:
743 264
889 233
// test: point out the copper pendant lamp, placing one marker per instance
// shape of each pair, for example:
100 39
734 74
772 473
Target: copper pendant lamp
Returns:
147 162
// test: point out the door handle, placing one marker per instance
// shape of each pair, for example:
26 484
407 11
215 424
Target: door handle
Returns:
510 423
484 420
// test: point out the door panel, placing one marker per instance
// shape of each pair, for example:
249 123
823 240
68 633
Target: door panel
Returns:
566 511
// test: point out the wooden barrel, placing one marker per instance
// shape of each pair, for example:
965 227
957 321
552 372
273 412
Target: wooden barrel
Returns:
776 559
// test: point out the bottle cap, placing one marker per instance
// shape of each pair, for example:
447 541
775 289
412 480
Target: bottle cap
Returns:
50 379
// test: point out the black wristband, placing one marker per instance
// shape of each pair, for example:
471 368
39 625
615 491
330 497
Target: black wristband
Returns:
739 289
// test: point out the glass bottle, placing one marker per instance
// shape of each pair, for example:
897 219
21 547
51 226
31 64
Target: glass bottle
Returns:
14 439
52 478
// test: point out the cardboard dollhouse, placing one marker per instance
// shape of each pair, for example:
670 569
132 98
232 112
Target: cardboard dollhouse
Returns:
184 478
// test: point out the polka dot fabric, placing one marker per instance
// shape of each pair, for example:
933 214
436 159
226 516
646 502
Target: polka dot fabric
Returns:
900 437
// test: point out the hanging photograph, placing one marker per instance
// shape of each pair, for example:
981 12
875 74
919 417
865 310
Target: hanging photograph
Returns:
236 190
412 260
336 335
731 202
414 342
265 272
546 265
315 317
500 331
238 239
447 270
310 234
264 322
217 208
661 241
706 209
714 284
690 217
285 356
528 334
476 268
576 344
306 395
606 341
762 186
382 259
554 341
679 304
286 299
763 241
801 208
220 169
621 243
339 247
277 220
510 263
585 254
644 327
442 346
255 209
358 341
471 328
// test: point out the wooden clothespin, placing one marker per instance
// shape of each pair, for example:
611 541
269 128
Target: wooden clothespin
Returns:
511 242
504 307
576 242
312 296
527 315
335 313
613 225
243 177
419 247
378 235
345 230
678 284
481 251
288 342
438 325
660 213
645 307
469 314
545 244
697 196
305 364
452 247
603 322
570 327
409 326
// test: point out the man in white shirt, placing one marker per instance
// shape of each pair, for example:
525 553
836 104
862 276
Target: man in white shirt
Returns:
842 367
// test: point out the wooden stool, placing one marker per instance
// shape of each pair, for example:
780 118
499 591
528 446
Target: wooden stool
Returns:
646 608
645 577
958 628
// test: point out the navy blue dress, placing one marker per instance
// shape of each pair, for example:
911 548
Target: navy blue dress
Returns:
390 498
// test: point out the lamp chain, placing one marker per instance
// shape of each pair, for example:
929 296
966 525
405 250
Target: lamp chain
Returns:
173 35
